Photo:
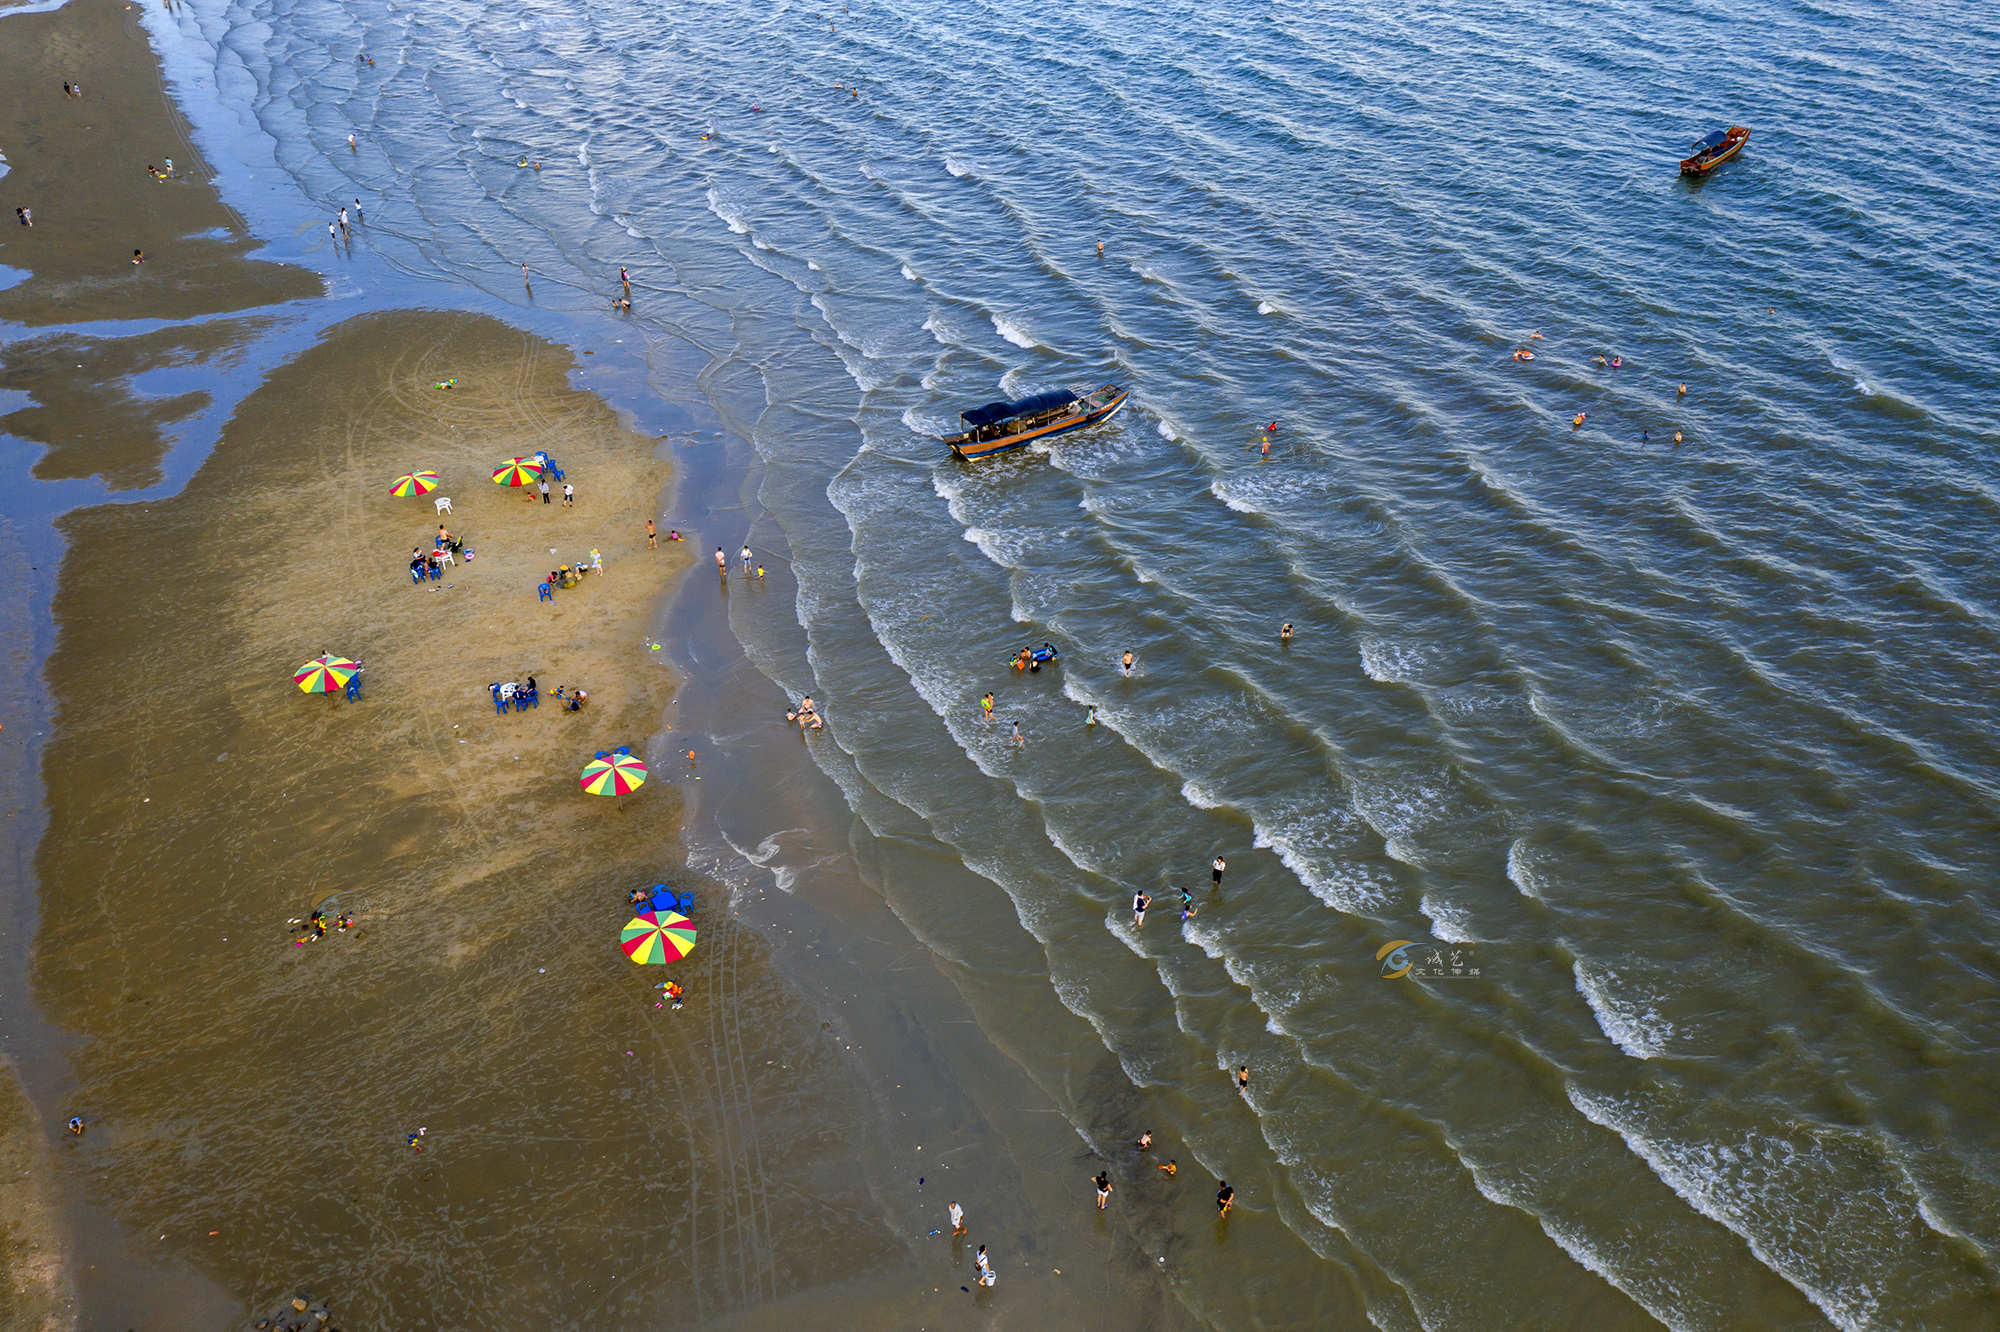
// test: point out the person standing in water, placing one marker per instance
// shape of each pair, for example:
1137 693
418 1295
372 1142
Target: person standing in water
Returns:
1243 1079
1146 1141
1225 1198
1090 717
987 704
721 562
1139 904
1019 739
1103 1183
745 553
1215 868
1125 663
1285 632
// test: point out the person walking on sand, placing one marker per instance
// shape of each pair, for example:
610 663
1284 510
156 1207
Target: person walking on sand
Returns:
569 495
343 211
652 536
1215 868
333 234
1225 1198
744 554
985 1266
957 1218
721 562
543 486
1139 904
1125 663
27 217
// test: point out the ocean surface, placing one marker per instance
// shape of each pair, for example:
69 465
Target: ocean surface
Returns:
1665 745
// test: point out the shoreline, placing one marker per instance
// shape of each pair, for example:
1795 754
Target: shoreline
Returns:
904 1049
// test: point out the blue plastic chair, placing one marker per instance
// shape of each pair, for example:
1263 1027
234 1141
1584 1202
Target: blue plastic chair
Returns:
499 703
437 571
548 593
416 573
557 470
531 698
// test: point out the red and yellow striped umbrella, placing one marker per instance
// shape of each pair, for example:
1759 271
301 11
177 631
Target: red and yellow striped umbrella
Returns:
414 483
518 472
325 675
614 774
657 937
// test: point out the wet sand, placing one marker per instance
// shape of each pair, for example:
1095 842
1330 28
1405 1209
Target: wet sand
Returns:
588 1157
79 166
35 1290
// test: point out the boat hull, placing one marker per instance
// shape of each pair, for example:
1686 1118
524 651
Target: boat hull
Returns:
1701 166
986 448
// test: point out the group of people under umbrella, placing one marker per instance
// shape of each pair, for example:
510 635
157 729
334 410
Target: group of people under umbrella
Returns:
659 931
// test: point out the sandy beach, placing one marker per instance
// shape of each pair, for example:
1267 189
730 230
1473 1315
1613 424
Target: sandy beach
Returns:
240 1084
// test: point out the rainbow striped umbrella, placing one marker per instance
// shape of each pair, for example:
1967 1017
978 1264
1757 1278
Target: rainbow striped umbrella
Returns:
414 483
657 937
325 675
613 774
518 472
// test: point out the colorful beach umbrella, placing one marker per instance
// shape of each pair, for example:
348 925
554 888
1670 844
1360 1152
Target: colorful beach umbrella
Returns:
414 483
657 937
325 675
614 774
518 472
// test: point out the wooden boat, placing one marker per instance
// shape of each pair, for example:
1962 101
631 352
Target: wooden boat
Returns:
1000 426
1713 151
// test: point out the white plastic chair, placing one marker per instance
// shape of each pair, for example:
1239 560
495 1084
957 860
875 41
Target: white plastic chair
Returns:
444 557
443 503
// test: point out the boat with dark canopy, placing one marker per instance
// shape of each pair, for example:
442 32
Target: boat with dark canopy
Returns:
1713 151
1000 426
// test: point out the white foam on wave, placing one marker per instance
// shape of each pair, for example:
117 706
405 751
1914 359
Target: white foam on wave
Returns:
1167 429
728 212
956 167
922 425
1221 492
1813 1205
910 275
814 266
760 243
1521 875
1631 1024
1451 923
771 148
1266 308
1119 922
1393 662
1199 796
1013 332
